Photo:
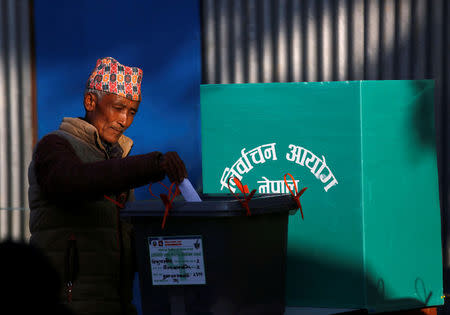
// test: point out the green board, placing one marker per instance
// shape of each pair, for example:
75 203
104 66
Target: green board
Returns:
371 234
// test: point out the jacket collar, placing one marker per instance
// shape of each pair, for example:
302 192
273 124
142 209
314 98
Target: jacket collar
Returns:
86 132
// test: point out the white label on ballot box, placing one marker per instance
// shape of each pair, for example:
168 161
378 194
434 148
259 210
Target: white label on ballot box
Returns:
177 260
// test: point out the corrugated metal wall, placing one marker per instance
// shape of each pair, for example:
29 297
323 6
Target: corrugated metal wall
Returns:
334 40
16 117
323 40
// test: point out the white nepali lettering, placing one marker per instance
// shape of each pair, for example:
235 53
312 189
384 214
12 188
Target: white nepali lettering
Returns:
262 153
270 153
258 151
243 165
228 173
299 155
275 186
296 154
263 189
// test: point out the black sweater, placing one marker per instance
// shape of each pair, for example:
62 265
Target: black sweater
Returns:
62 175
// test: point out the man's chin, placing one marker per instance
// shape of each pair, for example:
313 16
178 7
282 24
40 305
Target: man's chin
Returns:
111 140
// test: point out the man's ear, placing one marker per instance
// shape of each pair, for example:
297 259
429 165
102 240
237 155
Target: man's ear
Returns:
90 101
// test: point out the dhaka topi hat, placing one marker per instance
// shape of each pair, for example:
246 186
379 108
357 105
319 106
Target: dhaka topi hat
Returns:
112 77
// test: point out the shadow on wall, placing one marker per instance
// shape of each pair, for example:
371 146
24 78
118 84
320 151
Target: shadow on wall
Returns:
346 287
29 284
423 116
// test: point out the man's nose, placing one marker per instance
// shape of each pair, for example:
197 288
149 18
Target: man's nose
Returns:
122 119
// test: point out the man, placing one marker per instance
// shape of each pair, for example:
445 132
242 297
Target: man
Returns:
79 177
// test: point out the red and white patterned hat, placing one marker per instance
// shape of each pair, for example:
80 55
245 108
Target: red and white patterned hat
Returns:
112 77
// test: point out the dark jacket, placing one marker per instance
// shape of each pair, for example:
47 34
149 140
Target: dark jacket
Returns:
76 225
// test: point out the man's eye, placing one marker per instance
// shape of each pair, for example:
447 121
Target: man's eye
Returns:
133 113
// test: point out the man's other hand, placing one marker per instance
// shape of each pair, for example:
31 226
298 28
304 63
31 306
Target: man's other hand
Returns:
174 167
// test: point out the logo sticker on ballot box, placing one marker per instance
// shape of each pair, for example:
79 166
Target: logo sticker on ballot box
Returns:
177 260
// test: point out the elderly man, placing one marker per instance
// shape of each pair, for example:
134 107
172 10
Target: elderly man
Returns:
79 177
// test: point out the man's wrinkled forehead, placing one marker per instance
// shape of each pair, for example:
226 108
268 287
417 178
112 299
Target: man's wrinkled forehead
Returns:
113 100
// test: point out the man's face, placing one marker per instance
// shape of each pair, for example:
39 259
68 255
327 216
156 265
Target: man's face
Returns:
111 115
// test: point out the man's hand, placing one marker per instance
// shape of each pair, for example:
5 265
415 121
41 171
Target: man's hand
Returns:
173 166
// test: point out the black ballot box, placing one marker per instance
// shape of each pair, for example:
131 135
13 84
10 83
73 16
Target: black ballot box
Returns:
211 257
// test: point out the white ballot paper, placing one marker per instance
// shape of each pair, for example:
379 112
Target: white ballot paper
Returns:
188 191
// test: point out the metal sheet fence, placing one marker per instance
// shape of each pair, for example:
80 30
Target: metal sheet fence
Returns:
247 41
16 117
